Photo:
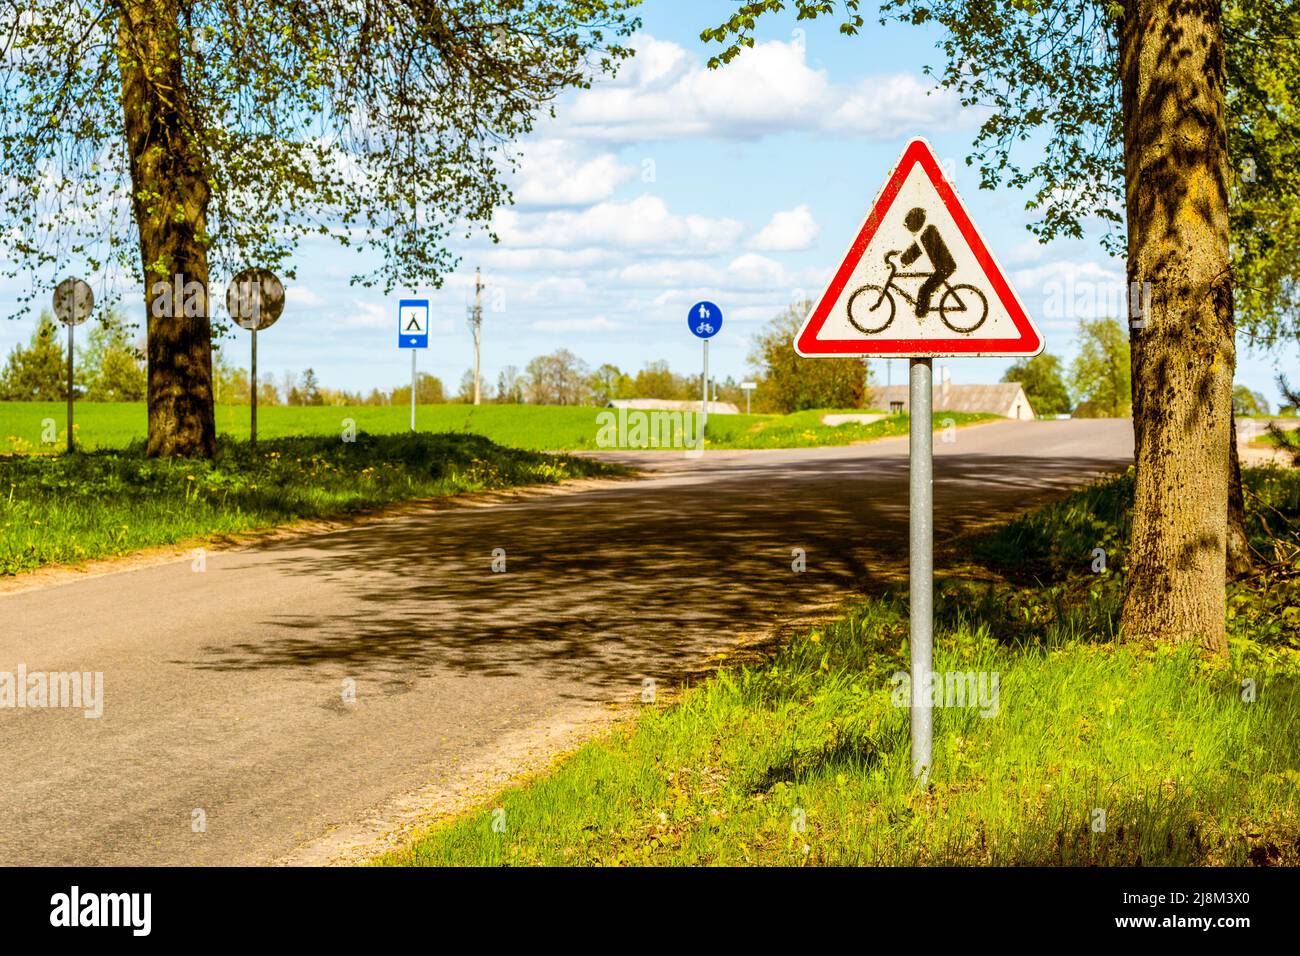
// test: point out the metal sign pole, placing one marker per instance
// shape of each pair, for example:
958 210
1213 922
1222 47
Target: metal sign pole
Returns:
921 560
704 392
412 389
252 422
70 442
254 299
979 309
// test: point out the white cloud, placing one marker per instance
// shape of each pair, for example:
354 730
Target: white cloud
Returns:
595 324
644 224
884 107
1065 271
753 271
302 296
747 272
1060 293
787 231
553 172
668 272
1028 250
767 89
370 313
556 289
528 260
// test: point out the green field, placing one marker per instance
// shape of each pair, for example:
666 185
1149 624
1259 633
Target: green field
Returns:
57 509
23 425
1092 752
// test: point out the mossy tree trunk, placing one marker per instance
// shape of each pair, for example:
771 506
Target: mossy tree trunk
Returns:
170 194
1175 156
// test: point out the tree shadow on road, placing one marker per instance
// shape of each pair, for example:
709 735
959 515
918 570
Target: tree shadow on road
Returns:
613 585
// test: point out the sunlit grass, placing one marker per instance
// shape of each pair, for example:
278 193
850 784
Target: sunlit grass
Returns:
67 508
41 426
1097 753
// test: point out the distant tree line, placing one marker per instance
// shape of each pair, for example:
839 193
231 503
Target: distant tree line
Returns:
109 366
560 378
1099 382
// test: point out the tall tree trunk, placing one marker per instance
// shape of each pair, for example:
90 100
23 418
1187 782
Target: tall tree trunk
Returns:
1175 158
1240 562
170 193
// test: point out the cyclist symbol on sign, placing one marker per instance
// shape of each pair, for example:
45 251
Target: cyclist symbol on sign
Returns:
871 307
937 252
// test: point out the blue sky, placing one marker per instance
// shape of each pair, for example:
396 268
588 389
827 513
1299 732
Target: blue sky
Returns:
672 184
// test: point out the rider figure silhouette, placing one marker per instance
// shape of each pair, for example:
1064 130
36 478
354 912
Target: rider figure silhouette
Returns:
936 250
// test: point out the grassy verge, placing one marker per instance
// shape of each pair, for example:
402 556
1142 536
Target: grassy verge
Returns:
60 508
805 429
1288 437
39 426
1090 752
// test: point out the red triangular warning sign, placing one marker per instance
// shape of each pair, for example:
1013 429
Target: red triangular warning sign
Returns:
918 279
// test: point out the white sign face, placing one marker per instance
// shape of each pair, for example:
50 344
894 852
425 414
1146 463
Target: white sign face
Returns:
414 320
918 279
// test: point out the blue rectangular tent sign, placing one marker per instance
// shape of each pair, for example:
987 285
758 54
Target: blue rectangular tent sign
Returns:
413 324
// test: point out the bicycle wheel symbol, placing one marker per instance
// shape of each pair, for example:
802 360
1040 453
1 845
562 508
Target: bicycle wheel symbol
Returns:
874 313
957 308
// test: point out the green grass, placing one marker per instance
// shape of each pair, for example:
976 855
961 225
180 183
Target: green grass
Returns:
110 500
801 756
23 425
1289 436
805 429
68 508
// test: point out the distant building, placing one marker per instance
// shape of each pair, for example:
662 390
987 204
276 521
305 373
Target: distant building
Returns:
668 405
1007 399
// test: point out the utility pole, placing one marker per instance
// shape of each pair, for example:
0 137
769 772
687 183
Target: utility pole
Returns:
476 326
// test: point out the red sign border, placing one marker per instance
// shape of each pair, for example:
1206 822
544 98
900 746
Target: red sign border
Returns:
807 344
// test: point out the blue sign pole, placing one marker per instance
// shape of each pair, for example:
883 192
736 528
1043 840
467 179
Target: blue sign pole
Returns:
705 321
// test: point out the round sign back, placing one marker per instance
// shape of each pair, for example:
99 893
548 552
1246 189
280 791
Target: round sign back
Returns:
73 301
255 298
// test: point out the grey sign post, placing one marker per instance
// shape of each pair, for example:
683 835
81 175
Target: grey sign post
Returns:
920 501
254 299
704 388
73 300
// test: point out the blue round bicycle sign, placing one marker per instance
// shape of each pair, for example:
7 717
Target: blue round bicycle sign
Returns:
705 320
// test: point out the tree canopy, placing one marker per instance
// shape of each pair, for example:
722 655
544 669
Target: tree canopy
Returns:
383 125
36 373
789 383
109 367
1043 381
1100 375
200 136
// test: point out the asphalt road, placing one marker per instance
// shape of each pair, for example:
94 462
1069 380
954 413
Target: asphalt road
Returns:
226 737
